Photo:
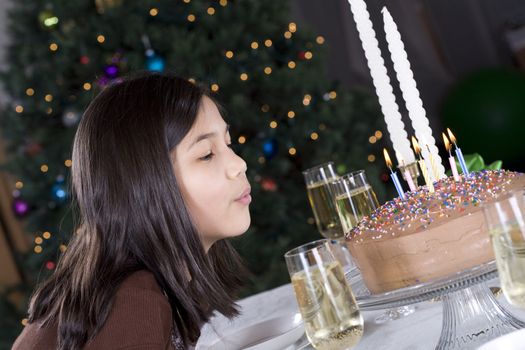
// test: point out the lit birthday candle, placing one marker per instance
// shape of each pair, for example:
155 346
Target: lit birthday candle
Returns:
413 101
406 174
393 175
433 164
422 165
451 159
459 154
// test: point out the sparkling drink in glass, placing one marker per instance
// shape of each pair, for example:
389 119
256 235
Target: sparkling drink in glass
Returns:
326 302
321 199
505 220
354 198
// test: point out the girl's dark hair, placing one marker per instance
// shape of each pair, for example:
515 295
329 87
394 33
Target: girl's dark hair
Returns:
133 216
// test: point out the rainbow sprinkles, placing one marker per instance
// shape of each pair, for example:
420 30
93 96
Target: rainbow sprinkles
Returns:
421 209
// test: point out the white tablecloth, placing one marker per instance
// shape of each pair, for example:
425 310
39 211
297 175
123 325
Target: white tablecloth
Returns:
420 330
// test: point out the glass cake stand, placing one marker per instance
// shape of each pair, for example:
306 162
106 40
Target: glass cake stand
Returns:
471 314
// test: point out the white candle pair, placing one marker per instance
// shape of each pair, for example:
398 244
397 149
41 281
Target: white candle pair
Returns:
407 84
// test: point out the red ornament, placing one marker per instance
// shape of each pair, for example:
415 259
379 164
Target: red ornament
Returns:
269 184
84 59
33 148
384 177
301 55
50 265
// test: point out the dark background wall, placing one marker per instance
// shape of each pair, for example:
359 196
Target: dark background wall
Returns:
446 42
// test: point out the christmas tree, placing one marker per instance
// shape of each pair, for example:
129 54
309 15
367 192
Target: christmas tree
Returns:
285 115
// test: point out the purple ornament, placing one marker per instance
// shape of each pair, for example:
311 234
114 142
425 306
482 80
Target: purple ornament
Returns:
111 71
20 207
102 81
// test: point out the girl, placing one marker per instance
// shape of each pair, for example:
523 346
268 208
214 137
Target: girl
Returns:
158 188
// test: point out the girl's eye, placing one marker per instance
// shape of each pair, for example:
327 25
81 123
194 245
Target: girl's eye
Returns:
209 156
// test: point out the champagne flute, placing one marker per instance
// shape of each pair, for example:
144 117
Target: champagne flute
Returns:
321 200
355 198
505 220
326 302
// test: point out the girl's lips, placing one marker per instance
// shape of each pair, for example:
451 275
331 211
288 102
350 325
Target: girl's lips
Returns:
245 197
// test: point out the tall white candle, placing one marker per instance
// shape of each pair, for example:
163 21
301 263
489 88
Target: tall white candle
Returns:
411 96
381 81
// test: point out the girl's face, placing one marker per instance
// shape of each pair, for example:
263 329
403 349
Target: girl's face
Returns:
212 178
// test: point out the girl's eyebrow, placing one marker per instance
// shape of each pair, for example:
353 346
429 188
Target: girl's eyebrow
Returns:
207 136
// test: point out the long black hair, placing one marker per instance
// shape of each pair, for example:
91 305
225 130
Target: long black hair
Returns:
133 216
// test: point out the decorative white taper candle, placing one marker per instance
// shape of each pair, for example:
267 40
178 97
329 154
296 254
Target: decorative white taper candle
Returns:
385 94
413 102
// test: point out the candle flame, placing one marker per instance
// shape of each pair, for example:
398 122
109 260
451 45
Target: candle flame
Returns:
448 146
387 158
416 146
451 136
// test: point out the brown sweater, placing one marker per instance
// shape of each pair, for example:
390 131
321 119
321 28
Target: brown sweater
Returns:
140 319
